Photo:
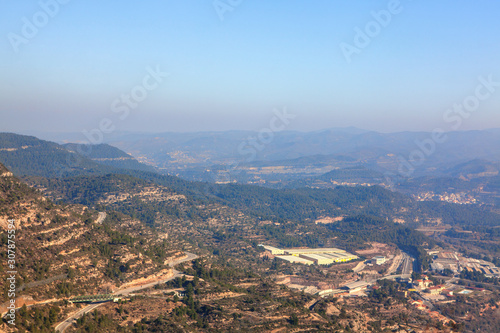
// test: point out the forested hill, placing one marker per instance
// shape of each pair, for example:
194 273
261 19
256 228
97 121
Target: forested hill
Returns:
306 203
297 205
356 174
30 156
108 155
3 169
293 204
97 151
63 252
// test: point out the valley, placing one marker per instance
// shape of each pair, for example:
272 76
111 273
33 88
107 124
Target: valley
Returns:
182 255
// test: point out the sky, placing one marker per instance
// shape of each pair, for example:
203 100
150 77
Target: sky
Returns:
157 66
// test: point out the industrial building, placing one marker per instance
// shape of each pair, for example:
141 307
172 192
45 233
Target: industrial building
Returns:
272 249
379 260
318 259
329 258
295 260
356 286
319 256
297 252
340 257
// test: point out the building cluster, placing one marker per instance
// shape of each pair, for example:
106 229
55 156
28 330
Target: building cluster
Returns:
422 283
334 182
445 260
436 290
456 263
320 256
458 198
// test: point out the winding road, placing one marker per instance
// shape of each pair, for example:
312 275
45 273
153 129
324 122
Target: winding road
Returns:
61 327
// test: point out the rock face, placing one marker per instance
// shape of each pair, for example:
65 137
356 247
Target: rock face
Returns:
72 242
20 202
4 172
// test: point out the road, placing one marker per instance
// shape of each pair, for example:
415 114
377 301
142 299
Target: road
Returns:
426 302
101 218
61 327
68 322
359 267
396 262
129 290
407 264
406 269
55 300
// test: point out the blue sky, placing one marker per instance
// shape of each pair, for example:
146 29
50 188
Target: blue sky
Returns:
231 73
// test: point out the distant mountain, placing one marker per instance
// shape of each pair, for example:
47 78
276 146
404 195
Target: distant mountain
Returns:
383 152
29 156
476 168
307 161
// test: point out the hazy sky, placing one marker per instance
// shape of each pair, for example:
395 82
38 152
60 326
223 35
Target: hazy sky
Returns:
380 65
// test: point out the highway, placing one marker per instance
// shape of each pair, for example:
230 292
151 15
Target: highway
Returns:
396 262
406 268
61 327
407 264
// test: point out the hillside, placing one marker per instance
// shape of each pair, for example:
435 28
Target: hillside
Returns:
127 194
350 175
141 198
233 276
300 204
151 217
108 155
63 251
3 170
49 159
476 168
46 159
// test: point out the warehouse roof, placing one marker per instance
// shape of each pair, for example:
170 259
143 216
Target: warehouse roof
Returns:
295 259
319 250
316 256
357 284
270 248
